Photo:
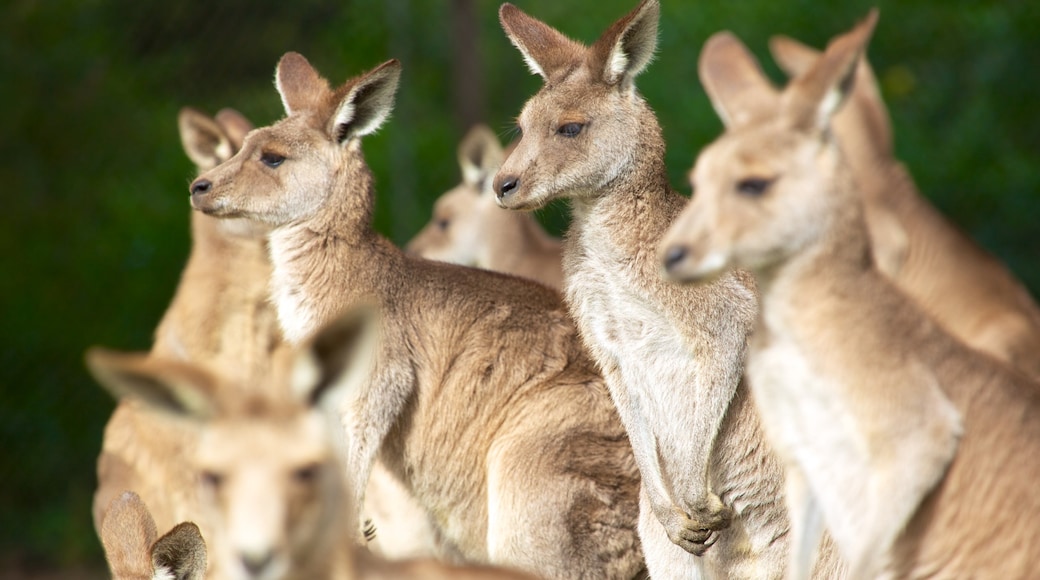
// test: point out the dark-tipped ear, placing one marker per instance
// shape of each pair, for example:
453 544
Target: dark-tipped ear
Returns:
204 140
545 49
170 386
480 155
366 103
338 359
300 86
738 89
235 125
127 532
624 50
813 98
180 553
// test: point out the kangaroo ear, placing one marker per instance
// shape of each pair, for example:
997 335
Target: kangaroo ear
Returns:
366 103
814 97
235 125
793 57
624 50
180 553
736 86
480 155
338 359
170 386
204 140
544 49
127 532
300 86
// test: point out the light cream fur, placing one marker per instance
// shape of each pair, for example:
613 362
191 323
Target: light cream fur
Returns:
906 445
469 228
964 287
673 356
483 402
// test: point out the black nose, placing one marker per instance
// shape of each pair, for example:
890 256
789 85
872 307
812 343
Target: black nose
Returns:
673 256
201 186
508 186
255 563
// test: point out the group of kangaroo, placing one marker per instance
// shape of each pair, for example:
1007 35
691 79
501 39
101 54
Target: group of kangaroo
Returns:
804 371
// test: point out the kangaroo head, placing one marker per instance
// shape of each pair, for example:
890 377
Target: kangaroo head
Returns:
583 129
268 470
286 172
464 217
766 188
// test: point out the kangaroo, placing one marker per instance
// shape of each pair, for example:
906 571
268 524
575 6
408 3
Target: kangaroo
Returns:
904 443
133 551
273 486
483 402
469 228
219 317
971 293
672 356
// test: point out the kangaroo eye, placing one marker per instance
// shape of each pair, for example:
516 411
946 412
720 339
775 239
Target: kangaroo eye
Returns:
272 160
212 479
570 129
307 474
754 186
443 224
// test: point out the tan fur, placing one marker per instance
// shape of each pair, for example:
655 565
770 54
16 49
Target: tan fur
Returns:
904 443
969 291
220 317
483 402
133 552
469 228
268 462
672 356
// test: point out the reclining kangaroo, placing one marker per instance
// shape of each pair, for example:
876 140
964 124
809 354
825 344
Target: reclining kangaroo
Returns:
969 291
469 228
673 357
273 488
482 402
908 446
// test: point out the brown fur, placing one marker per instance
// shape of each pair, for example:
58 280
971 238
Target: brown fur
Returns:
268 462
483 402
469 228
968 290
133 552
220 317
672 356
903 442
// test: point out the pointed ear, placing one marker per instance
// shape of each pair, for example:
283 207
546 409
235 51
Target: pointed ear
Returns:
544 49
127 532
813 98
300 86
480 155
235 126
180 553
367 102
624 50
738 89
338 359
170 386
204 140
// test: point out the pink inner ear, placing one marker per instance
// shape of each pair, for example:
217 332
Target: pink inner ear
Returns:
300 86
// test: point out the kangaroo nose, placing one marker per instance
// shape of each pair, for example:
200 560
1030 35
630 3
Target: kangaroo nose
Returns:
201 186
255 563
507 186
673 256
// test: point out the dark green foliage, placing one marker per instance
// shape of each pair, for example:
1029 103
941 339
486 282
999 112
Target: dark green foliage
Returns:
95 223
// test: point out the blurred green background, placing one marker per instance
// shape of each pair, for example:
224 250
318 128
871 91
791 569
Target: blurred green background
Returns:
95 227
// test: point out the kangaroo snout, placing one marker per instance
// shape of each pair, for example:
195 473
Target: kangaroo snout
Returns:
506 186
201 186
